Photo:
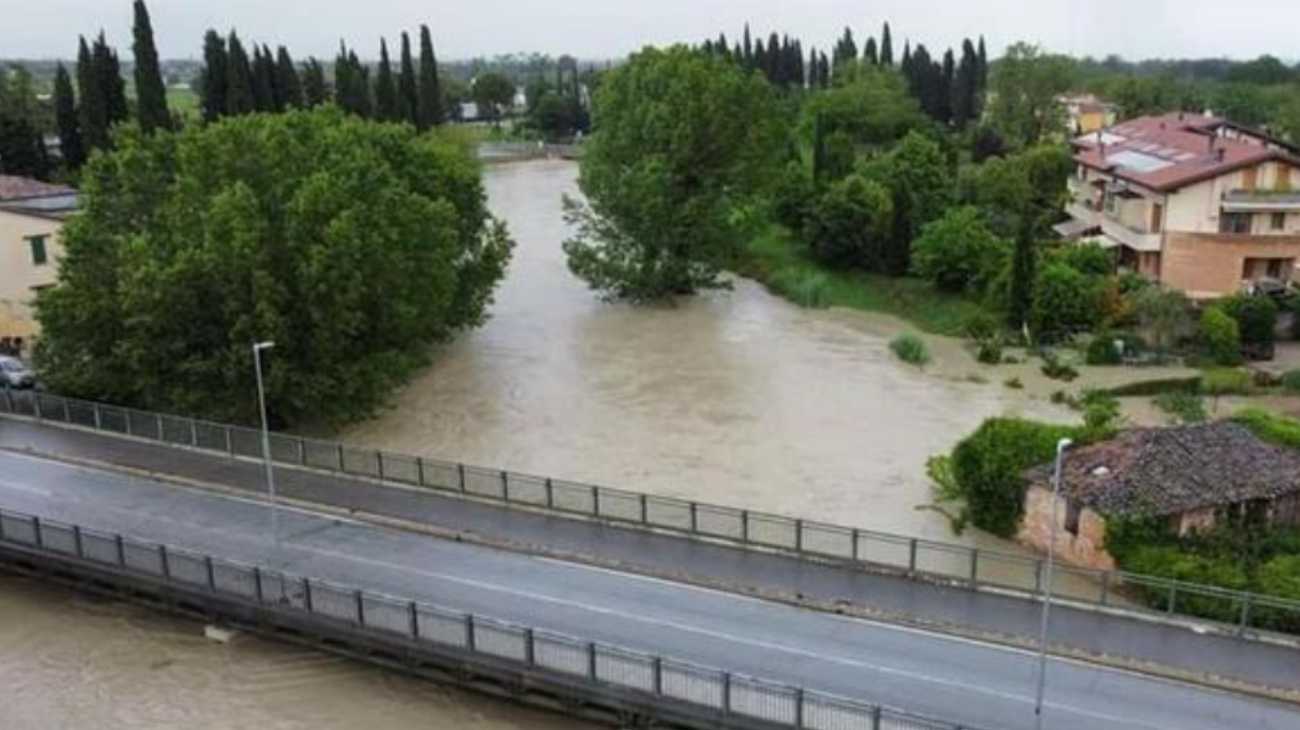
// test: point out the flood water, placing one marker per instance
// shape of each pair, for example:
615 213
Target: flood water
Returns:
68 661
737 398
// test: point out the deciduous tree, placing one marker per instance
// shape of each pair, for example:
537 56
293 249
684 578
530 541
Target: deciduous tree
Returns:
355 247
682 138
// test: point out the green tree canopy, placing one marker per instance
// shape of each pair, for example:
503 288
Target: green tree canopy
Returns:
493 93
872 106
353 245
851 222
959 252
1022 100
681 136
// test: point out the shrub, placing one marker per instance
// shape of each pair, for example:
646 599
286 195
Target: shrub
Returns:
1065 301
1257 319
982 326
989 353
851 223
1182 407
1271 427
910 349
1101 414
1165 316
988 467
1220 336
1176 564
1057 370
1102 349
1088 258
1279 577
1014 384
794 196
1227 381
958 252
1291 381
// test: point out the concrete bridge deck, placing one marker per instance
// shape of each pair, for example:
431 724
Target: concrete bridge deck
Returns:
1172 650
957 680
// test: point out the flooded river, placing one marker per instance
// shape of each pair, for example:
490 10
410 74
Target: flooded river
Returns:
733 397
738 398
71 662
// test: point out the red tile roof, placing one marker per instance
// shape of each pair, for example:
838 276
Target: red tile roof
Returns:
1172 151
18 188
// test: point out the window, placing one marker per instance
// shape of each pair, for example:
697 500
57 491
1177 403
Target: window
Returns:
1235 223
39 255
1279 221
1072 512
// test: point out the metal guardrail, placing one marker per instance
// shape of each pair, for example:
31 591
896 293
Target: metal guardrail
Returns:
645 675
955 564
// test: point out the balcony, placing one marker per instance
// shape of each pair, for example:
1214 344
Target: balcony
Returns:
1261 201
1081 211
1130 237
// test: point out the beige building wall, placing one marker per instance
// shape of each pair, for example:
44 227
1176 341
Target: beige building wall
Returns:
1087 549
19 275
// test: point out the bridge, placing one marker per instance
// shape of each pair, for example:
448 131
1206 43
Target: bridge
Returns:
601 601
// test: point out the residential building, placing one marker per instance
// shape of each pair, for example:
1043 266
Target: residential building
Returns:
1193 476
31 221
1086 113
1196 202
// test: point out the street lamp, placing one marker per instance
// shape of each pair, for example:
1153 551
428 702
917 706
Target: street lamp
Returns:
1061 446
266 438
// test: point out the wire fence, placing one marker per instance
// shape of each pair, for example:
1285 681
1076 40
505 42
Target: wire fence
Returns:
642 675
958 565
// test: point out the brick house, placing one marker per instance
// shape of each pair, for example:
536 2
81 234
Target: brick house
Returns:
1193 476
1196 202
31 222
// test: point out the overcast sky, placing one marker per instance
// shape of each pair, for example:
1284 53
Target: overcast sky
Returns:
606 28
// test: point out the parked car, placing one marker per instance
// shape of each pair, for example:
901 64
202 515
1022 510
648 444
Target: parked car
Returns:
1278 291
14 374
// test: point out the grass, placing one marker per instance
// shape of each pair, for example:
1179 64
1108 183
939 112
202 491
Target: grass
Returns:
1271 427
183 101
781 262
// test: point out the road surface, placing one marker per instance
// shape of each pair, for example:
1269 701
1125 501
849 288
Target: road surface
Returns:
955 680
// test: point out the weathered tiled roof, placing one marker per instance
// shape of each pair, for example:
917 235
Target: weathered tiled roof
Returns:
13 187
1162 471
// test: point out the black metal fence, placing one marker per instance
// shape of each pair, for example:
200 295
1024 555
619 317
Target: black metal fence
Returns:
603 665
955 564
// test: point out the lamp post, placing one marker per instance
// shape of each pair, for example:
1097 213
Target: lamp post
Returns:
1061 446
266 439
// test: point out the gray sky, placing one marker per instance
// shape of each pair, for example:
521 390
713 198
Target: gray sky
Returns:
603 28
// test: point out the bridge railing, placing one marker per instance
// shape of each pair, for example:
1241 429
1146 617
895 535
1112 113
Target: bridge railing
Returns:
959 565
642 674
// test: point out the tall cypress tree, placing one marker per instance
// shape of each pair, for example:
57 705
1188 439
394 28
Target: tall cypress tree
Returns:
287 82
906 63
263 85
760 56
65 117
150 93
773 67
385 87
408 95
965 86
1024 269
870 54
213 81
108 70
983 67
239 75
886 47
947 87
748 49
824 71
360 91
430 111
812 69
94 105
314 90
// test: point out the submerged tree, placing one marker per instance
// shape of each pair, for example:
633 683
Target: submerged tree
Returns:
665 171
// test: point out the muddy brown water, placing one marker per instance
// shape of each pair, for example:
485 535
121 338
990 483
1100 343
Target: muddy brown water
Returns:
736 398
68 661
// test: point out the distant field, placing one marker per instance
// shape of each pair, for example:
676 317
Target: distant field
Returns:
183 101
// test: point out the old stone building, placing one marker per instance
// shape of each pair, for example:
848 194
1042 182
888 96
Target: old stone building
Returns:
1194 476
